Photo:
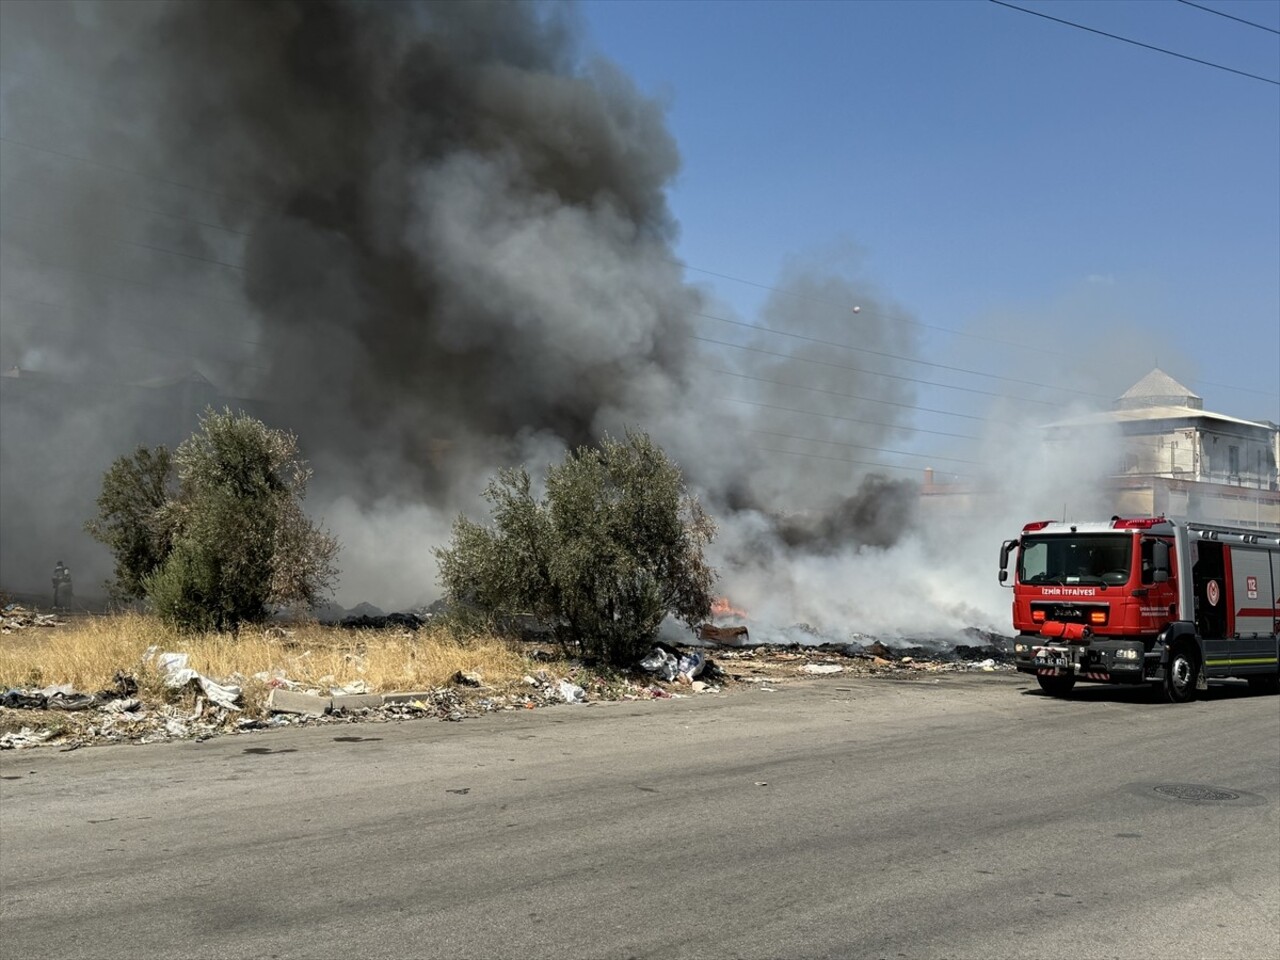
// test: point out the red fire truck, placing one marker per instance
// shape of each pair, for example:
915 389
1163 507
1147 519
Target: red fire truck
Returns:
1145 600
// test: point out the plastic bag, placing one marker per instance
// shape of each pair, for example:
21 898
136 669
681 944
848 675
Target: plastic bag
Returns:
661 664
690 665
571 692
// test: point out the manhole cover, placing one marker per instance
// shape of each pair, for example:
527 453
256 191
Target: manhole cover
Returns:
1198 794
1194 793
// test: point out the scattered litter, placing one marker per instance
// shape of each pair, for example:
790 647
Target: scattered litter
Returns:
276 680
26 737
570 692
467 679
821 668
123 706
72 701
178 675
15 617
661 663
175 727
20 700
690 665
354 687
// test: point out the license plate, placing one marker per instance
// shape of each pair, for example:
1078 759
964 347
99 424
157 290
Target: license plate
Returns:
1059 663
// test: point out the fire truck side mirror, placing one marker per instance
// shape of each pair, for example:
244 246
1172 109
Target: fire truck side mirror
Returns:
1004 558
1160 562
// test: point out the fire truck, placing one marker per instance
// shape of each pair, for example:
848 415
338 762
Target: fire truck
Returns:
1145 600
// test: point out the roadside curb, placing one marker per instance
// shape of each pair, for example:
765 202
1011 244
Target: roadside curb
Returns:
310 704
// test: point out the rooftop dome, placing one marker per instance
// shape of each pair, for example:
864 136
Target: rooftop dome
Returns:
1158 389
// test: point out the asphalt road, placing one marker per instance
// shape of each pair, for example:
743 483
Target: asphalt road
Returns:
969 817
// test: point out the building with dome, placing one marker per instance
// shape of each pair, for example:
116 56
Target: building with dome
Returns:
1180 460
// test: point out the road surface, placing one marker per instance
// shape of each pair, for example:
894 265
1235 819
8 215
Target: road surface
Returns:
967 817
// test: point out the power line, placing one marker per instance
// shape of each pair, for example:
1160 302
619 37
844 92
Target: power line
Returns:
852 396
1200 6
873 373
1136 43
863 446
836 416
863 463
791 293
133 243
948 330
844 306
163 288
894 356
69 311
116 168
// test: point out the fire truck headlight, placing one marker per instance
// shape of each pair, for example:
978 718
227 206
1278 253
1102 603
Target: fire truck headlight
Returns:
1022 648
1127 654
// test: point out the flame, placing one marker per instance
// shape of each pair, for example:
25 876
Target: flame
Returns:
722 607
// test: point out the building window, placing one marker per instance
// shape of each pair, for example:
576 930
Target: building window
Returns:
1233 461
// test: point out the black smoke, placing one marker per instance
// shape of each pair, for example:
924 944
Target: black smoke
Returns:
429 238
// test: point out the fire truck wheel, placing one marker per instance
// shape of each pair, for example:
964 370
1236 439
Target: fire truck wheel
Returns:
1057 686
1180 675
1265 684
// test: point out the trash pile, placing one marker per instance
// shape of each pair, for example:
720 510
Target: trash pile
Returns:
872 658
73 718
14 617
66 718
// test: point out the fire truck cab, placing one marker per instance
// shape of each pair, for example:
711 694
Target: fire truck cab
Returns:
1145 600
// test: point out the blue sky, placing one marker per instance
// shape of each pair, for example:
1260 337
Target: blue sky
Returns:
1038 202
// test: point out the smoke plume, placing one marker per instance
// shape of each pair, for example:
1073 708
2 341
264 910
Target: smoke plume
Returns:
431 239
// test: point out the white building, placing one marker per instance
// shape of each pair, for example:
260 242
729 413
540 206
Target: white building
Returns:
1181 460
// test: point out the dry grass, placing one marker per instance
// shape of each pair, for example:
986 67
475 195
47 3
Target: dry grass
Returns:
88 652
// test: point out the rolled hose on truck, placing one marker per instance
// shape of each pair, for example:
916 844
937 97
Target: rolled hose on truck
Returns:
1071 632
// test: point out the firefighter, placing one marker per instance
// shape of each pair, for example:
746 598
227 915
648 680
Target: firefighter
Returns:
61 585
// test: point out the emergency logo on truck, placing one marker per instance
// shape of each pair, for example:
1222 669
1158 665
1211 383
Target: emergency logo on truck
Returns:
1211 592
1251 587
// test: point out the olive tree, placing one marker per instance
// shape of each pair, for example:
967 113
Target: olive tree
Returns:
614 547
229 540
134 490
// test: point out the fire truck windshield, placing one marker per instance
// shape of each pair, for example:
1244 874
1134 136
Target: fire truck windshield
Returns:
1095 559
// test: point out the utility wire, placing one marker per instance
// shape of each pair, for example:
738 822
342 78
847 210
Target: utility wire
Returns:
70 311
844 306
1200 6
724 276
116 168
873 373
863 446
1136 43
133 243
852 396
862 463
836 416
948 330
894 356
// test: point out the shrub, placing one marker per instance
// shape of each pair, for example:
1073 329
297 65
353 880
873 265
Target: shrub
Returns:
614 547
